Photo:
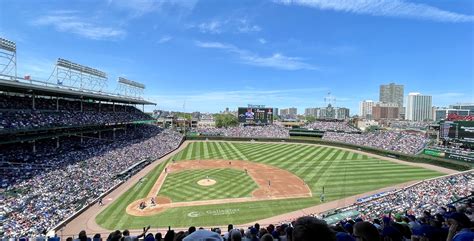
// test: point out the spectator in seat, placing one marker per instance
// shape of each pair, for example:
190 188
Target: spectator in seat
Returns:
235 235
365 231
459 228
191 230
83 236
169 236
266 237
97 237
158 237
312 229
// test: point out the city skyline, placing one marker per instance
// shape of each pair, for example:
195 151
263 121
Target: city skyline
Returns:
212 56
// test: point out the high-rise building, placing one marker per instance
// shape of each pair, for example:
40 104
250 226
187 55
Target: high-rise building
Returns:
331 112
311 112
391 93
382 111
288 112
365 109
419 107
341 113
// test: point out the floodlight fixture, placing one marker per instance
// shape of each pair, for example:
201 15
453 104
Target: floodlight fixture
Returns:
7 45
71 74
78 67
8 58
130 88
131 83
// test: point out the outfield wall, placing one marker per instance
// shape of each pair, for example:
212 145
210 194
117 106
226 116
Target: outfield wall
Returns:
451 164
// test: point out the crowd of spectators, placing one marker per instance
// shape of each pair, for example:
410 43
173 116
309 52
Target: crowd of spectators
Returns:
267 131
48 188
341 126
426 196
453 149
404 142
404 125
18 113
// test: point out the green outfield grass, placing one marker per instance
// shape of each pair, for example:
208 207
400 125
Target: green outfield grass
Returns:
182 186
341 173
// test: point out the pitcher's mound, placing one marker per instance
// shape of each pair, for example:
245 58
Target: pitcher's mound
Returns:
206 182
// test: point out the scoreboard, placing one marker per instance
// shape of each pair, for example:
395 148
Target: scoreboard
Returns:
458 130
251 115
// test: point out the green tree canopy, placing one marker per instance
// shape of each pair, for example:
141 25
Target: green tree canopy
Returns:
225 120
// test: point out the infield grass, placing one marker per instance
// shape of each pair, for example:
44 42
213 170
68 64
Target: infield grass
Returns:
342 173
230 183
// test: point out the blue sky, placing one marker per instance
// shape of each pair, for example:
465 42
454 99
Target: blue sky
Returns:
217 54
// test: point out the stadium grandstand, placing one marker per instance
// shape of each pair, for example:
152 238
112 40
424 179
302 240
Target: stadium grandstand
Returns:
403 141
456 117
66 141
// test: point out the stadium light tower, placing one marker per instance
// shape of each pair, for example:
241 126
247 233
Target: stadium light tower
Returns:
79 76
8 58
329 99
130 88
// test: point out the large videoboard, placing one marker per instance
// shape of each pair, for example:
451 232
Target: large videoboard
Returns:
458 130
250 115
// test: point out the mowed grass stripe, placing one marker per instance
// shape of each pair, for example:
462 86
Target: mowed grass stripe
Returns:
251 152
273 152
299 159
224 152
256 151
240 155
231 155
307 164
307 173
280 156
221 150
330 164
314 175
254 155
249 147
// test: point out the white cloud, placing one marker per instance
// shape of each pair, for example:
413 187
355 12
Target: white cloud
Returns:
234 25
165 39
68 21
139 8
391 8
244 26
262 40
215 45
210 27
276 60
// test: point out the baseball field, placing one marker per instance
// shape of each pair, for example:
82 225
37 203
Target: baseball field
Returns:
215 183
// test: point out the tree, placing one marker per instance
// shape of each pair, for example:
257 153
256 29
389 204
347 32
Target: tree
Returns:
225 120
310 118
186 116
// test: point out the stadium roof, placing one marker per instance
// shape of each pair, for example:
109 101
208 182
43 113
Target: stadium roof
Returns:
48 89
